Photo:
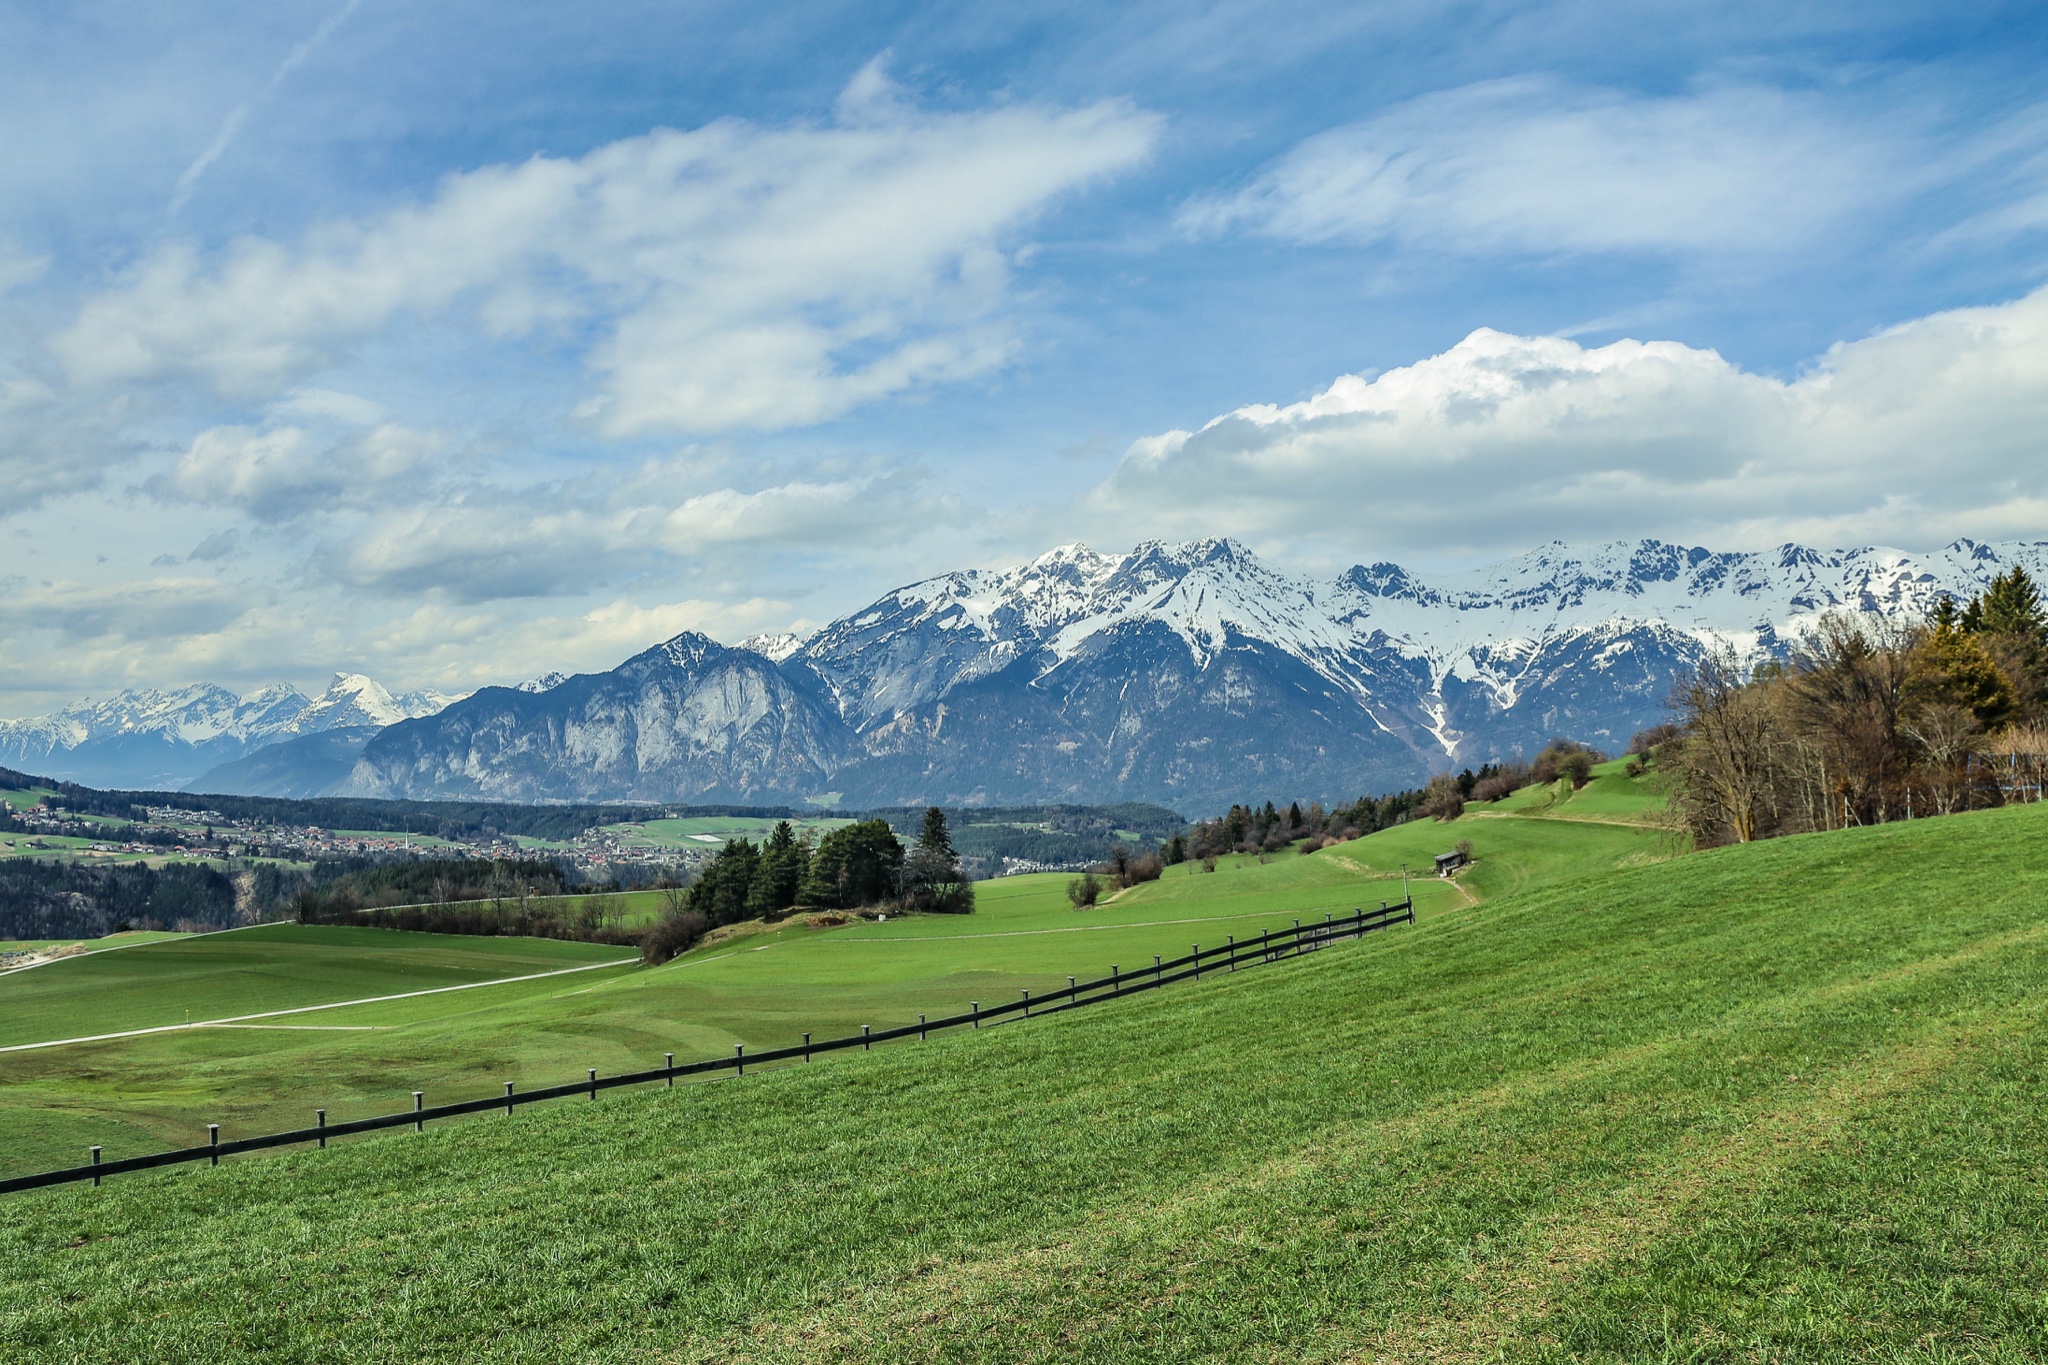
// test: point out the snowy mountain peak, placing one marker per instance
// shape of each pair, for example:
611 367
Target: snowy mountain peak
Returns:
773 645
163 738
546 682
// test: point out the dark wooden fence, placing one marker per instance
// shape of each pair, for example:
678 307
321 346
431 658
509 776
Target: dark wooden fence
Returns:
1269 946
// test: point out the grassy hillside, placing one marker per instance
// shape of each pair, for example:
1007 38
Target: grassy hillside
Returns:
763 988
276 967
1774 1102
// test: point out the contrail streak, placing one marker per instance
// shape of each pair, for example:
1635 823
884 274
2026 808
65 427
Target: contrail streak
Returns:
233 123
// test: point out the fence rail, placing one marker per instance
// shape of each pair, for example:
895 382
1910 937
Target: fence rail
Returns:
1269 946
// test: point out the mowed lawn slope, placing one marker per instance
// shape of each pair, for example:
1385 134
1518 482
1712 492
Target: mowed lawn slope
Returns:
1781 1102
274 967
762 989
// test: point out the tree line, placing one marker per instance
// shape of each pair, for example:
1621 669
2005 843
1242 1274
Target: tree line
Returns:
54 898
1868 720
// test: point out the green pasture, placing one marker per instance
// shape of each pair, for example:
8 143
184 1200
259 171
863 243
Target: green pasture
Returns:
245 971
1611 795
26 798
759 985
1775 1102
396 836
670 834
126 939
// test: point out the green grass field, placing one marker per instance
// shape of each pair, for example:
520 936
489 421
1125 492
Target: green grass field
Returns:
764 990
25 798
126 939
1611 795
702 832
1780 1102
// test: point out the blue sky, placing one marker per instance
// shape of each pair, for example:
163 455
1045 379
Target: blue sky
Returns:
456 343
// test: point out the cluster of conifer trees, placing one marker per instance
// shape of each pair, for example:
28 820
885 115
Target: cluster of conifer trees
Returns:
856 866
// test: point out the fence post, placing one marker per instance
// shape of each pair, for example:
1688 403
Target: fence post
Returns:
920 1028
866 1036
807 1049
1027 1004
1232 959
95 1174
1157 975
739 1057
671 1069
508 1099
593 1081
213 1141
1116 985
419 1102
976 1006
1196 949
1072 990
320 1122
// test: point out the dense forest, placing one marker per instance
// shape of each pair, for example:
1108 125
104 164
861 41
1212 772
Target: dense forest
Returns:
47 898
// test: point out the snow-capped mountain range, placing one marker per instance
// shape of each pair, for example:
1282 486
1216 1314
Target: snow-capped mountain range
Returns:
1192 674
159 740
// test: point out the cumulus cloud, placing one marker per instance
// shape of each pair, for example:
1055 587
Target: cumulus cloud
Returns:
1921 433
733 276
277 473
1534 165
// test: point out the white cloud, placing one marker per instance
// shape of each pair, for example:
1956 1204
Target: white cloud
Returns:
1531 165
52 443
277 473
1924 432
487 543
142 610
734 276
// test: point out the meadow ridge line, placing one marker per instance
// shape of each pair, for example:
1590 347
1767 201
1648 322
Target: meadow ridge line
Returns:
309 1009
1073 929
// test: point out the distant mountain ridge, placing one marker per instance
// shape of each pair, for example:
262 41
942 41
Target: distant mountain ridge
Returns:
163 740
1187 674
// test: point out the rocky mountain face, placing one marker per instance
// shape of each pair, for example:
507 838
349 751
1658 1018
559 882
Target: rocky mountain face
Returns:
164 740
1189 674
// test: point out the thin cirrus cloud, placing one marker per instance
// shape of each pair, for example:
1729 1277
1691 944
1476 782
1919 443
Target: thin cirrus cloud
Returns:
487 544
735 276
1921 433
1534 165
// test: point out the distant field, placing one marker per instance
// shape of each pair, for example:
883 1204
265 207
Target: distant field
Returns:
396 836
1611 795
666 834
121 940
25 799
1781 1102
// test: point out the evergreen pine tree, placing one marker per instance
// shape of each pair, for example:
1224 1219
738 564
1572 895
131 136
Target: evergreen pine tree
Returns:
778 874
932 880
